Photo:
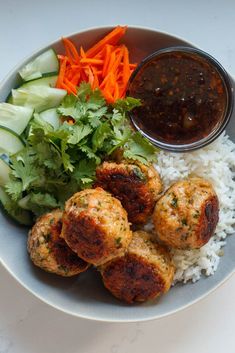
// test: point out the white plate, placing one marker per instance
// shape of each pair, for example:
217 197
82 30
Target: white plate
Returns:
84 296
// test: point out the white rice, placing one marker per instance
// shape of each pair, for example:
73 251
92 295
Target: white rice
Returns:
215 163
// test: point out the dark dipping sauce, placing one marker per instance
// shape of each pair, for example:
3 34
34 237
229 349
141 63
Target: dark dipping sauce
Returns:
183 97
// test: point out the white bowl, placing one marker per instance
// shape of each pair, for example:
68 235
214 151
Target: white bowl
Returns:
84 296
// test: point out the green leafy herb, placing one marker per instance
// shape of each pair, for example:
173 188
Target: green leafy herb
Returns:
140 149
59 162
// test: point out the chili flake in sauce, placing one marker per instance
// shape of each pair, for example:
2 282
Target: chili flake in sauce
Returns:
183 96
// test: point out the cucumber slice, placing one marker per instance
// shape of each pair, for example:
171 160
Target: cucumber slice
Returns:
10 142
14 117
49 80
4 172
45 63
20 216
52 117
38 97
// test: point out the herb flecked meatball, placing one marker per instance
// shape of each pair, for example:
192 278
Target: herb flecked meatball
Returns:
186 216
137 186
95 226
48 251
144 272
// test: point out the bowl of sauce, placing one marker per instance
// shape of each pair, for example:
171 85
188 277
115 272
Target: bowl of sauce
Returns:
186 96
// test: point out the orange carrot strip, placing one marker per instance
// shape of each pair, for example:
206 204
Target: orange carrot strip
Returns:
107 95
96 81
109 87
75 67
106 59
60 78
122 90
111 62
92 61
82 52
71 50
76 77
111 38
69 74
105 80
99 72
131 66
119 52
64 86
83 75
89 74
116 91
119 75
126 65
71 86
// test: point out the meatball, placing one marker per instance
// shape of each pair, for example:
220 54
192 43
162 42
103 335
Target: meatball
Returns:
136 186
95 226
48 251
186 216
144 272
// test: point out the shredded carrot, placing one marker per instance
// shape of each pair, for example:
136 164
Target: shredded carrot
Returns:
71 51
106 66
112 38
62 72
106 59
82 53
92 61
71 86
126 66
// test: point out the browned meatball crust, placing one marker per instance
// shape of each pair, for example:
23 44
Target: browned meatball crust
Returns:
48 251
143 273
186 216
95 226
136 186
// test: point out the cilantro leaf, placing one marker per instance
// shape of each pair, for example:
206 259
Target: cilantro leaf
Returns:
127 104
93 97
68 106
24 169
138 148
84 91
84 173
103 132
47 155
78 133
90 154
14 189
40 203
85 105
67 163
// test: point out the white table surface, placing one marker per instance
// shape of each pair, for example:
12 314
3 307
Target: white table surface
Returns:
26 324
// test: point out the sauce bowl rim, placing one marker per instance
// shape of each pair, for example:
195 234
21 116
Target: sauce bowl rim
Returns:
220 127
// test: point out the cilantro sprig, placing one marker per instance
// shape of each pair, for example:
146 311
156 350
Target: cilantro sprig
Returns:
56 163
